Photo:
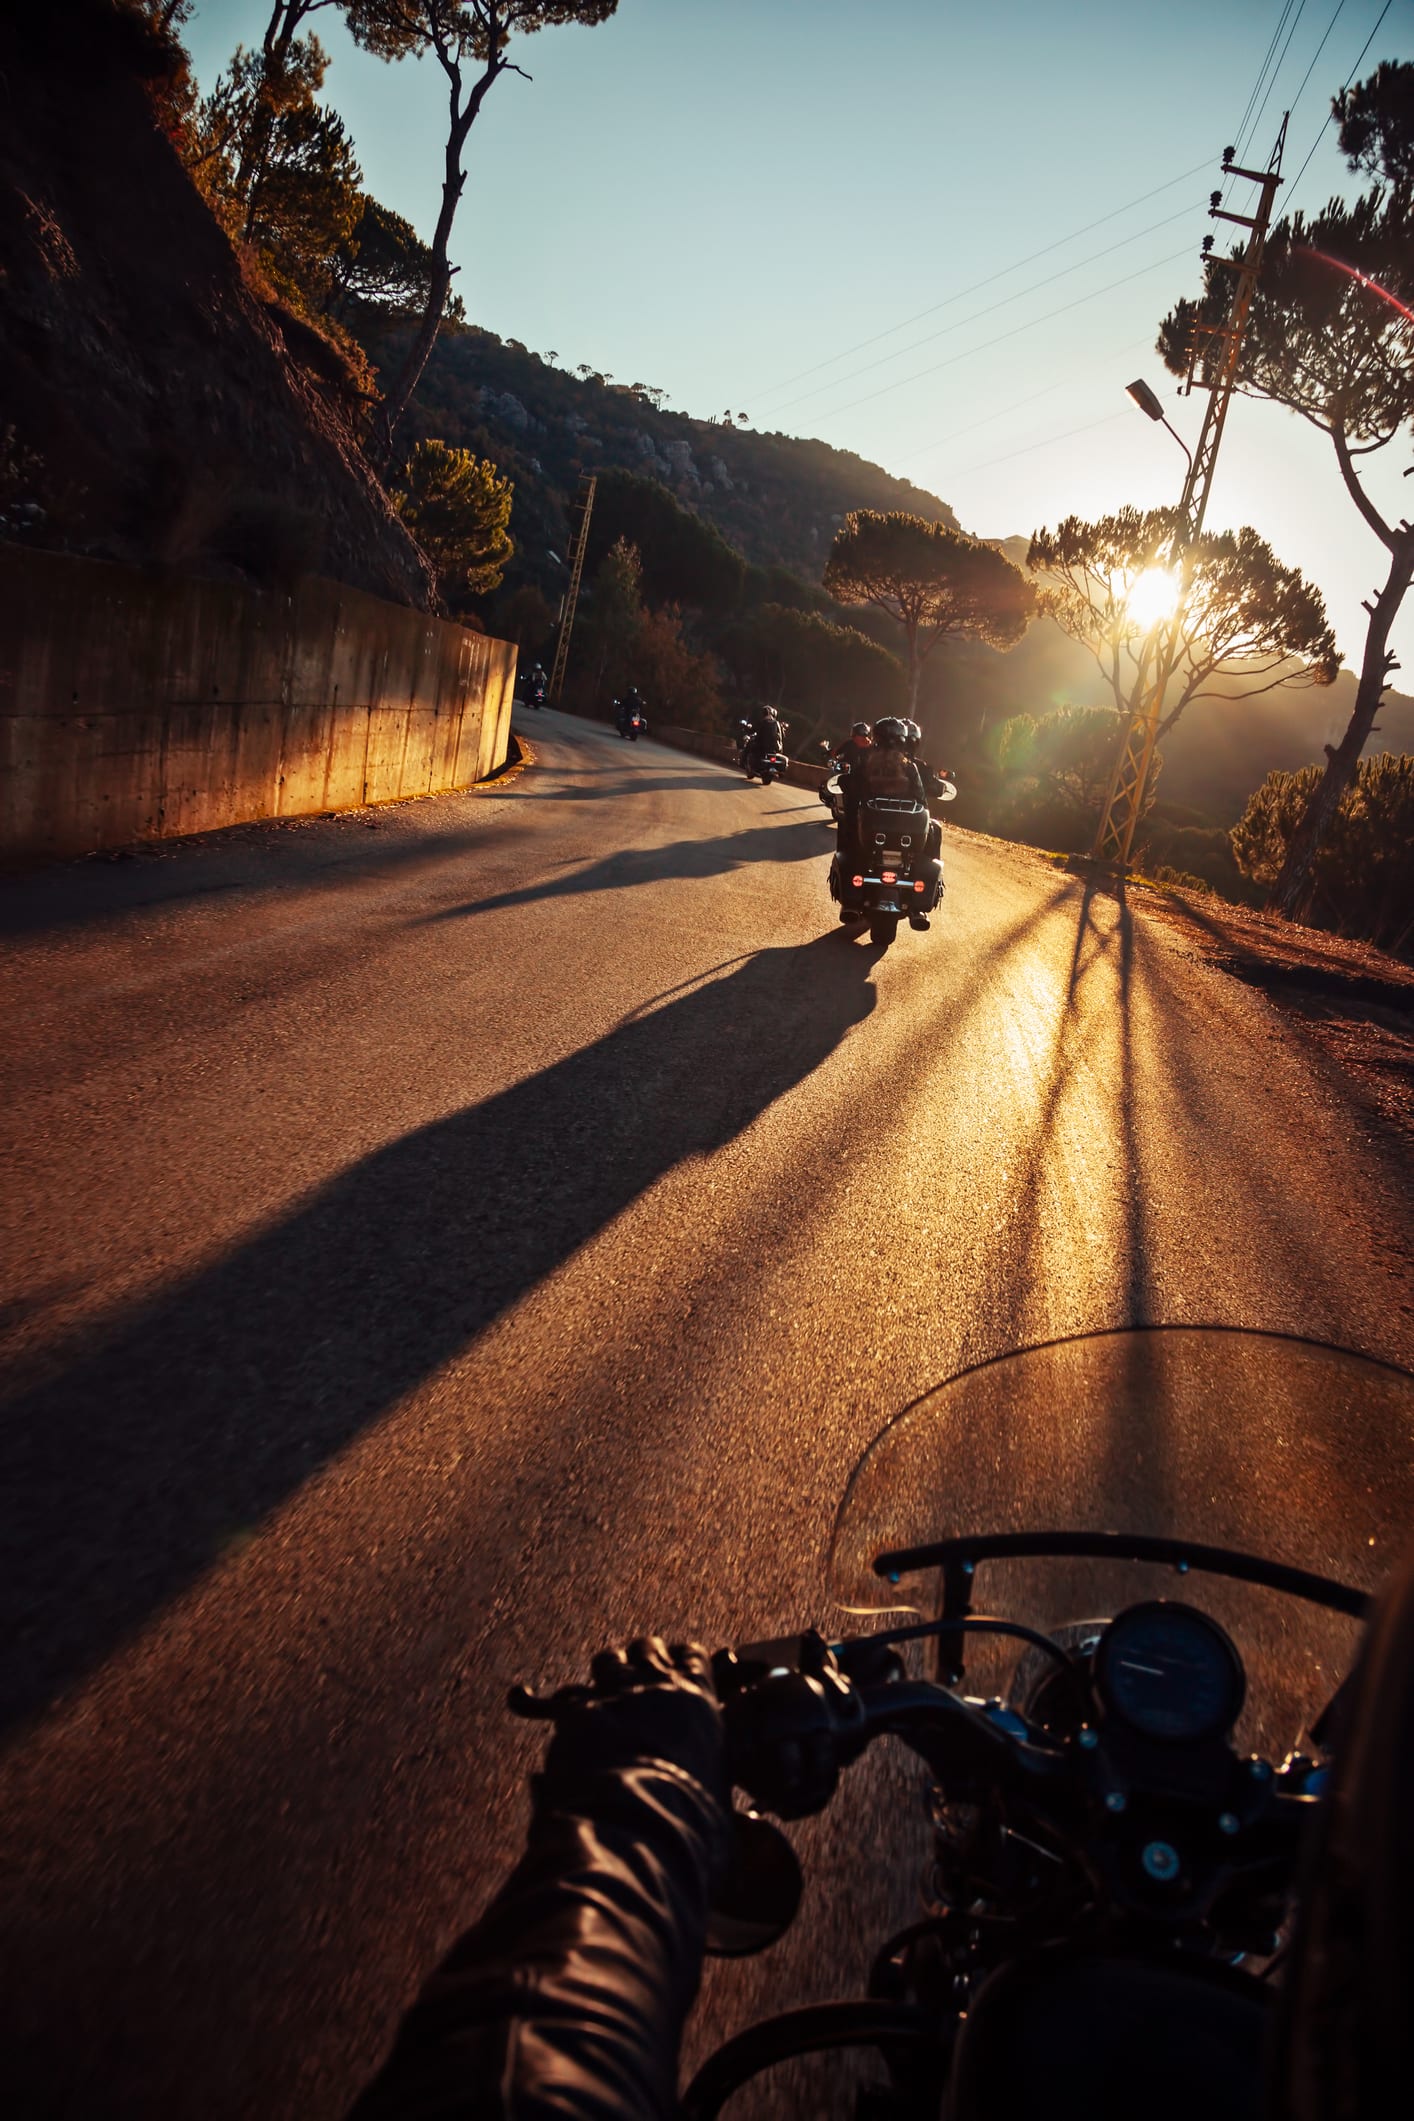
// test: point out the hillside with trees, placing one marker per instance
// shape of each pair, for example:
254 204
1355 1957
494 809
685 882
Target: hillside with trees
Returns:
778 498
154 409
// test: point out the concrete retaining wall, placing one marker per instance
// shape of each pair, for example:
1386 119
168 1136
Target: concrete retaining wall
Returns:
136 707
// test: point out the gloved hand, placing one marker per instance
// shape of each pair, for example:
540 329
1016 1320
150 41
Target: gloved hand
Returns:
648 1702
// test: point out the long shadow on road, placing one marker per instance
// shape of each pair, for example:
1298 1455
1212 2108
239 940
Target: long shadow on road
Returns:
125 1474
274 856
546 791
682 861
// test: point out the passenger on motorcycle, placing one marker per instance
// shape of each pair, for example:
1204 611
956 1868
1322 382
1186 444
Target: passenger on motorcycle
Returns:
933 783
883 769
567 2001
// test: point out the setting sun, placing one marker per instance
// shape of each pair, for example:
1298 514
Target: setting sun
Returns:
1153 596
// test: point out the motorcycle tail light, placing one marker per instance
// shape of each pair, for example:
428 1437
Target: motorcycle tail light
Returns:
919 885
859 883
890 876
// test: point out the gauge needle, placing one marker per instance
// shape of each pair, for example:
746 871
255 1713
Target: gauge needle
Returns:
1155 1671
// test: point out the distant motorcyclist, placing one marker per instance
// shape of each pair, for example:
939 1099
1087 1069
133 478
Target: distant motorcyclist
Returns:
630 705
767 736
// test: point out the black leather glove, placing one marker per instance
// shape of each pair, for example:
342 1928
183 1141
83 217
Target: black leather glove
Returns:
649 1702
566 2001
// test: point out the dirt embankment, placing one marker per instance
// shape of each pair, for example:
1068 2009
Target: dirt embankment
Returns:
1357 1003
156 413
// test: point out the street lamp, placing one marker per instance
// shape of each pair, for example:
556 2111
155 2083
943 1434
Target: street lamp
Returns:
1147 400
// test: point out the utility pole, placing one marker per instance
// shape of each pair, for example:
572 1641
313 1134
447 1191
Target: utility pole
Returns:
1213 365
585 504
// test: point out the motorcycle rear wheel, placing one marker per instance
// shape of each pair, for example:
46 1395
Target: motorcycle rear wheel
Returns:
883 928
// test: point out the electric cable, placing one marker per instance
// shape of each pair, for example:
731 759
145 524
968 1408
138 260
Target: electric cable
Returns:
1029 324
1331 113
978 285
1276 72
1239 136
1340 10
961 323
1014 405
1029 448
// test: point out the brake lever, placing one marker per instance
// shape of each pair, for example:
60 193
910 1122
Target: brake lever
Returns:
544 1708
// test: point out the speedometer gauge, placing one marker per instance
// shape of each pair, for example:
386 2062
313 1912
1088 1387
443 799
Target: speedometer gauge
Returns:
1170 1673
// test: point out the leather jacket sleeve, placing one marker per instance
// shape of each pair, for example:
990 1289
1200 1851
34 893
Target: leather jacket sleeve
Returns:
568 1998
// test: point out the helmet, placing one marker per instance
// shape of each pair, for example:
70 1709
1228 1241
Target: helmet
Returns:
891 732
915 734
860 729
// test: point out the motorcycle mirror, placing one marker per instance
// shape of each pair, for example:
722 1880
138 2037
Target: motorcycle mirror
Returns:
757 1899
946 793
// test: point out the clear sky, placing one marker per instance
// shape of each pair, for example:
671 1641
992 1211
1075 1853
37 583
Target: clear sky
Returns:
717 196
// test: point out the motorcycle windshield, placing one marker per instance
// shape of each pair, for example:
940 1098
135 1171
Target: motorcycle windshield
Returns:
1282 1448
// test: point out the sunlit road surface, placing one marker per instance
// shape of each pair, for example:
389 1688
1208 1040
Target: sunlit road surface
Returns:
436 1251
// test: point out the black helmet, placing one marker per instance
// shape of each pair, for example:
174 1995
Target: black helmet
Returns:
860 729
915 734
891 732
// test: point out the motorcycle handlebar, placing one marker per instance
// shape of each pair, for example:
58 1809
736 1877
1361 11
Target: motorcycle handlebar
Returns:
791 1729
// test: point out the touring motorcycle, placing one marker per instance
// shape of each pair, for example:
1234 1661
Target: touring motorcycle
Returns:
770 765
890 875
1124 1743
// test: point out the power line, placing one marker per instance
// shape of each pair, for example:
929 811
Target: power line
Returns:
978 285
1276 71
1331 113
961 323
1030 448
1030 324
1340 10
1012 405
1240 135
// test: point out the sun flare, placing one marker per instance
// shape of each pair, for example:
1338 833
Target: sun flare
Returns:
1153 596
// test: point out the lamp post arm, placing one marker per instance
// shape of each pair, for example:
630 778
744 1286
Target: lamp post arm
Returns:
1181 443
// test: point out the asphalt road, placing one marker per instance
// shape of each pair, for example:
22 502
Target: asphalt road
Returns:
442 1240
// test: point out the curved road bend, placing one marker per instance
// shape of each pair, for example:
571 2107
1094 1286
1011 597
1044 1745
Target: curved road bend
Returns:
441 1241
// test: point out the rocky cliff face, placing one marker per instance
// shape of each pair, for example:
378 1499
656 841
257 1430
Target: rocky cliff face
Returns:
149 408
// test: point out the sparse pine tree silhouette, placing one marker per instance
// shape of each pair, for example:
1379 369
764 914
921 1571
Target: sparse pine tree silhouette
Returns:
1250 624
1377 125
1330 336
938 583
470 41
381 264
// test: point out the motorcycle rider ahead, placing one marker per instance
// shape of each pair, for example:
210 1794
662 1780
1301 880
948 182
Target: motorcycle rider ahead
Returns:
630 705
766 736
843 755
